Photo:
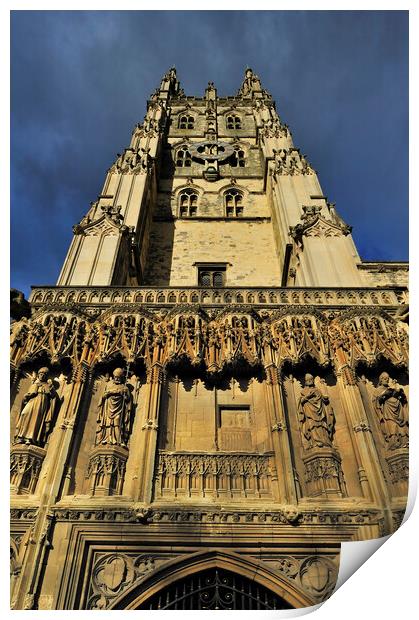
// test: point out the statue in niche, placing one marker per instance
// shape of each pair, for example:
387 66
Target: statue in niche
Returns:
38 411
316 416
390 405
114 412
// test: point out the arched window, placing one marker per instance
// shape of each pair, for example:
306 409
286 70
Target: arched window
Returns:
233 201
186 121
237 159
233 122
183 158
188 203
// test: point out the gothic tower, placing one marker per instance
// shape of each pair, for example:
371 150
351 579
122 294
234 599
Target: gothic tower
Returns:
214 395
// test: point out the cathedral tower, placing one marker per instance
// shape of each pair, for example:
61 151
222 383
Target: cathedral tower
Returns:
214 395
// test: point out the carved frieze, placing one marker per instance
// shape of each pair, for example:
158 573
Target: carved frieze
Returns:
318 516
362 336
214 475
214 339
105 297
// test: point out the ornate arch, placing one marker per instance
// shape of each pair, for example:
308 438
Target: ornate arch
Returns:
233 185
178 190
140 592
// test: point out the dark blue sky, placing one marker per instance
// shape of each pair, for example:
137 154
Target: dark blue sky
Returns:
80 81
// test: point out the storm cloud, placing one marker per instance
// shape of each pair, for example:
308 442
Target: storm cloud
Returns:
80 81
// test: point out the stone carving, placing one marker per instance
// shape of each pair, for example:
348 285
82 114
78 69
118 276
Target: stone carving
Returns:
272 335
251 84
212 475
313 224
323 473
136 161
366 335
106 470
289 566
103 297
390 404
398 465
316 416
19 306
113 573
318 576
37 415
25 466
314 517
362 427
114 412
288 161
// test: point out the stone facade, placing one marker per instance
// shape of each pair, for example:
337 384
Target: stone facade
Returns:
214 395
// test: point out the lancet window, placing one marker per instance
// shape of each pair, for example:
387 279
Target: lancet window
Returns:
188 203
238 158
183 158
233 202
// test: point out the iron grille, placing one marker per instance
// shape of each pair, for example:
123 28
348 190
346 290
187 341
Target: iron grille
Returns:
215 589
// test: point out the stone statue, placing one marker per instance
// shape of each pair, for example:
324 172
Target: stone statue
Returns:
316 416
38 411
114 412
248 82
390 404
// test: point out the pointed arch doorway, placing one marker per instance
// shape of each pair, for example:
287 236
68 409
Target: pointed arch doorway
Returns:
213 580
213 589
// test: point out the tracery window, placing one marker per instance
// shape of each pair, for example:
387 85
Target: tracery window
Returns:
237 159
183 158
186 121
233 202
188 203
233 122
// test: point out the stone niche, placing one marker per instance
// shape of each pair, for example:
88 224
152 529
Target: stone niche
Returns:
388 425
39 395
100 463
214 441
230 416
320 471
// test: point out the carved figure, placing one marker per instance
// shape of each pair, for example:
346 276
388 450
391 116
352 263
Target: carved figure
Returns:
316 416
114 412
390 404
38 411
